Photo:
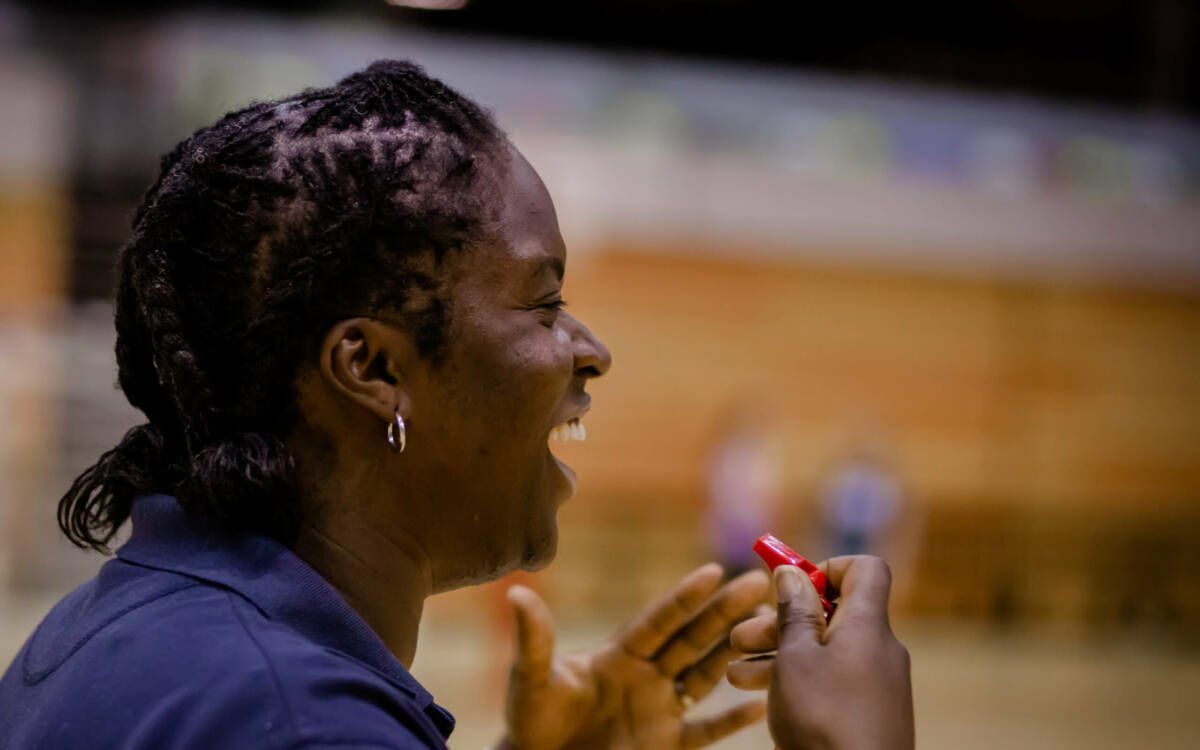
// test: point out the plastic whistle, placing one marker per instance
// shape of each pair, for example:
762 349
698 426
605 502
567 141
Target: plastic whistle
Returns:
775 553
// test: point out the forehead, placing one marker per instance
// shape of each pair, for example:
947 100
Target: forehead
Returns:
529 241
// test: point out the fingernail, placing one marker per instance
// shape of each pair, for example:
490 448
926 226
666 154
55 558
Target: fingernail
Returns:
787 582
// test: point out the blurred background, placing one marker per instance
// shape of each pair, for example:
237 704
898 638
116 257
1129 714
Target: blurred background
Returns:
925 284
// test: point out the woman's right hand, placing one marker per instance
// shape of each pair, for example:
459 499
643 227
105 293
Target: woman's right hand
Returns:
841 686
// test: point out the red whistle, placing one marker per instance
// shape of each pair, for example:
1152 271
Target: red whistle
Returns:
775 553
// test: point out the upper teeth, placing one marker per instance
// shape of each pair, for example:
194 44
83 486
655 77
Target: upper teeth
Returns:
570 430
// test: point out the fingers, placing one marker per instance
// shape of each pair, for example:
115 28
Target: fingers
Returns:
756 635
751 674
658 623
702 732
733 602
865 583
801 617
535 636
700 679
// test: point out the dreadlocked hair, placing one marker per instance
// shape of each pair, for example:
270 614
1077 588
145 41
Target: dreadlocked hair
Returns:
260 232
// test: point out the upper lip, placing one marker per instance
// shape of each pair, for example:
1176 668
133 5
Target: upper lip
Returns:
577 411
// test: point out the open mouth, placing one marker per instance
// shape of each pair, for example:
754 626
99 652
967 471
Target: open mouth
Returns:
565 432
572 429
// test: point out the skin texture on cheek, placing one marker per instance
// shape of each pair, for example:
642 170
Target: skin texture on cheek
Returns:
541 373
501 387
507 378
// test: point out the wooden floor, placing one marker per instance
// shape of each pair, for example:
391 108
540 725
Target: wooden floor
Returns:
974 688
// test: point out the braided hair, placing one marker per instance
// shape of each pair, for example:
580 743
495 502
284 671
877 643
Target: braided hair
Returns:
261 231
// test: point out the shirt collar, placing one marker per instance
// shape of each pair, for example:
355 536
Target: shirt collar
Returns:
271 577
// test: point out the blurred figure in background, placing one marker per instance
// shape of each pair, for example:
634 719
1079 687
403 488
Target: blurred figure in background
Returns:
861 502
864 509
745 485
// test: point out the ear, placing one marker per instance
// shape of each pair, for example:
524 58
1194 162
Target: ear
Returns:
365 360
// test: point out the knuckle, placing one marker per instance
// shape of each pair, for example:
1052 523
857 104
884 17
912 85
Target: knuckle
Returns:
797 614
876 565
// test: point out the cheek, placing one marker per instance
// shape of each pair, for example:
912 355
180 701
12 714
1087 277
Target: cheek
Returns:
539 378
515 387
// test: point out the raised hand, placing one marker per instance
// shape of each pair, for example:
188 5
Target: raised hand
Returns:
634 690
842 686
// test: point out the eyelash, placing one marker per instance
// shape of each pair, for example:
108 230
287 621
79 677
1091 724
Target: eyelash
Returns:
554 306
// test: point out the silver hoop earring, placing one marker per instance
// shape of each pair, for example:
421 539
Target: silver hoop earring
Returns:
396 433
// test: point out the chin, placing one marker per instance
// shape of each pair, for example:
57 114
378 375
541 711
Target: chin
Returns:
538 552
538 561
541 551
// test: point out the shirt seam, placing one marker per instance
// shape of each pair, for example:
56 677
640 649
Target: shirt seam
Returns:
287 708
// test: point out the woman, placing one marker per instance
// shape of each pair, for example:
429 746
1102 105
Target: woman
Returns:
341 314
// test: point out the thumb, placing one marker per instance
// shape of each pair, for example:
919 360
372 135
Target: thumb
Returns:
801 617
535 636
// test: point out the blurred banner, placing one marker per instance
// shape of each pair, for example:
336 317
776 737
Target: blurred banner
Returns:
734 160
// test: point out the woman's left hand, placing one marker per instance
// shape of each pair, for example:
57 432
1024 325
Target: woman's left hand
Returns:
632 692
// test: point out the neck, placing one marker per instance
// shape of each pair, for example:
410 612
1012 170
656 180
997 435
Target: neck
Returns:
385 580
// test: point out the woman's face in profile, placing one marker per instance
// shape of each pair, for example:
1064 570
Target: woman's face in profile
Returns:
516 366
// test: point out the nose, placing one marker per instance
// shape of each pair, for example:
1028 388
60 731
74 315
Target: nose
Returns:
592 358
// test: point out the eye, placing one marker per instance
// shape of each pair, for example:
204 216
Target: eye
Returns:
551 309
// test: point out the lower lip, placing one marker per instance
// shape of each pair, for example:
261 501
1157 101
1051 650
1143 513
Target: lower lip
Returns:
567 471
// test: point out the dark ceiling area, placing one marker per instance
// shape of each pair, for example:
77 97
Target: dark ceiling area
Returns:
1135 55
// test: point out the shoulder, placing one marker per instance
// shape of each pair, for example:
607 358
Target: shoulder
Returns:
256 683
331 699
187 664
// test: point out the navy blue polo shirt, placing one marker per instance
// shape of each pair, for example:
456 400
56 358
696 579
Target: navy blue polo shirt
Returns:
195 639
